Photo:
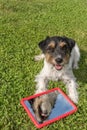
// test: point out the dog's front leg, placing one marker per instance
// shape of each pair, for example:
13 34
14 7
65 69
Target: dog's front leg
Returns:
73 94
41 85
72 89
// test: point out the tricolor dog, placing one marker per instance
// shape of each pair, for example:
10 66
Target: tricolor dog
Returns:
61 55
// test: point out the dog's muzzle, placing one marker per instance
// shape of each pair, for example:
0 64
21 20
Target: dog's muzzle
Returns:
58 65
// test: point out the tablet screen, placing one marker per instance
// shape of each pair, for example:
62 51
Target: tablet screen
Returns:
48 107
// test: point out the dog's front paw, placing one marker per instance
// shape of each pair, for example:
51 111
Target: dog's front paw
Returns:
74 97
36 58
39 57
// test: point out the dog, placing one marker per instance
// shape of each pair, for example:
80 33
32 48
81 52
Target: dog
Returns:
43 105
61 54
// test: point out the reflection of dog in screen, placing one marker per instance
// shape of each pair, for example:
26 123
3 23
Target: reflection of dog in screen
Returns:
43 105
61 55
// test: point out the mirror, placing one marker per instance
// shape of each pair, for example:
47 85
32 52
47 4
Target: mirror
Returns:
48 107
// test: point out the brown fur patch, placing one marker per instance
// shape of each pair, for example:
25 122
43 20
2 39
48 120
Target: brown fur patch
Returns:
49 58
52 44
62 44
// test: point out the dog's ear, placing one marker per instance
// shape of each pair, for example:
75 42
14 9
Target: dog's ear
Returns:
70 42
43 44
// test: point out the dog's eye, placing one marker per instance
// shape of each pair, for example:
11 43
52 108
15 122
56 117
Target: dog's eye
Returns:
64 47
51 46
49 49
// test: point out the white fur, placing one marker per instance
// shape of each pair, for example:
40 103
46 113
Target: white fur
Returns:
49 72
39 57
75 56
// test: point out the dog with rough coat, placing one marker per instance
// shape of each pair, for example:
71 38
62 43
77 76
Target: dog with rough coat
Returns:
61 55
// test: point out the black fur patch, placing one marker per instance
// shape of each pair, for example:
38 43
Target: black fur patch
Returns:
56 39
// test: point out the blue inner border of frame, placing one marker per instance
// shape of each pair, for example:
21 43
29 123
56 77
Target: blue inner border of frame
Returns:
62 106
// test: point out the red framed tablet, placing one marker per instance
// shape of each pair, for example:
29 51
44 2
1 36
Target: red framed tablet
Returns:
63 107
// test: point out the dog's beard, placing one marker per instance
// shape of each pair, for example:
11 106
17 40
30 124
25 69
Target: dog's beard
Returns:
42 114
45 109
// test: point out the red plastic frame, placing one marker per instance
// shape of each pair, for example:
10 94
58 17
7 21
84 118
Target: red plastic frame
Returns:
54 119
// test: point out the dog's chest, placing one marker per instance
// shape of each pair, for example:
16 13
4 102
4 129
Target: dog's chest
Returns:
55 75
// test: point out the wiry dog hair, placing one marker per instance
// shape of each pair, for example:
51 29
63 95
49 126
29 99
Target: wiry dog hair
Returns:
61 55
59 47
43 105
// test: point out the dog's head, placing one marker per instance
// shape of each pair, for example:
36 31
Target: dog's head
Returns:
42 108
57 50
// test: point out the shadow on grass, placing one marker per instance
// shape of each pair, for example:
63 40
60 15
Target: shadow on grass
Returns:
81 73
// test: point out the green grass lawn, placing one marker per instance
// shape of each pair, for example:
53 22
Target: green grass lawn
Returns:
23 23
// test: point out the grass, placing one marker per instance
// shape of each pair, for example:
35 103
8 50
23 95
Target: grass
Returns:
22 25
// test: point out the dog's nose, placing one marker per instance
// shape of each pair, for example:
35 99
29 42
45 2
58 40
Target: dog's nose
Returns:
59 60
